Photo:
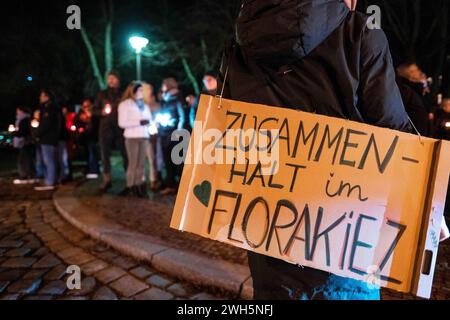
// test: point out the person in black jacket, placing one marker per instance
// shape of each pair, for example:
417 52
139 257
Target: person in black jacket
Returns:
87 136
414 106
110 134
442 124
316 56
64 165
413 96
48 136
39 162
210 83
23 142
169 119
442 131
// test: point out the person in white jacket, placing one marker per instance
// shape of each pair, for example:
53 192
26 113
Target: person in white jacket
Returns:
135 118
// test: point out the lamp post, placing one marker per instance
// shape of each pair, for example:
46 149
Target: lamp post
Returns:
138 43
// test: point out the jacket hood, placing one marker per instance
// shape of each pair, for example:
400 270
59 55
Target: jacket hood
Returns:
282 31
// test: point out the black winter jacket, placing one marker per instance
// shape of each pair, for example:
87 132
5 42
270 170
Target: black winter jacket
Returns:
173 105
315 56
107 122
415 106
24 129
50 123
89 126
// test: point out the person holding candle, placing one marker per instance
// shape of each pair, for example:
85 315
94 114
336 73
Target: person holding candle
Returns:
110 134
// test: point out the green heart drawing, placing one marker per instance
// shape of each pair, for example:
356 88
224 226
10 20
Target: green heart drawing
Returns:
203 192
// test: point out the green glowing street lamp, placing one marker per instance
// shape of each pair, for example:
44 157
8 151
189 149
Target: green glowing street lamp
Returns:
138 43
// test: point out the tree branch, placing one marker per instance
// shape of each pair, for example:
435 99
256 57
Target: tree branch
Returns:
108 48
205 59
92 58
187 69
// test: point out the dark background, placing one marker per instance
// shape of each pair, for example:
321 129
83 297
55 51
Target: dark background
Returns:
36 42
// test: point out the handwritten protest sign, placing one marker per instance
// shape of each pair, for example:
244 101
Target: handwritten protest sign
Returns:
340 196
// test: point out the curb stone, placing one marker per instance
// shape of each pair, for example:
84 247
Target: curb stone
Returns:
193 267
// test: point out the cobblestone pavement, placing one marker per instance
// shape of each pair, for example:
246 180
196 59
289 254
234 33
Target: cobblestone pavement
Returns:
152 217
37 246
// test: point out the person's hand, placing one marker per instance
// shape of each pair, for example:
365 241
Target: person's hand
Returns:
445 233
351 4
145 122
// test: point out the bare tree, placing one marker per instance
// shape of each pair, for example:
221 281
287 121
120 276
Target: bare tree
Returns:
108 63
190 39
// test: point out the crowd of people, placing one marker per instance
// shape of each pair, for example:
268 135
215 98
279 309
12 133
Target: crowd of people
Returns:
430 118
138 122
339 68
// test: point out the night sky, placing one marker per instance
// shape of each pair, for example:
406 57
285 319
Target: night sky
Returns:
36 43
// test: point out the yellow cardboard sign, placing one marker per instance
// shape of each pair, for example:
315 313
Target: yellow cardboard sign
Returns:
352 199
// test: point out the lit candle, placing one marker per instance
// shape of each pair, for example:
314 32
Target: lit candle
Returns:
107 109
153 129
